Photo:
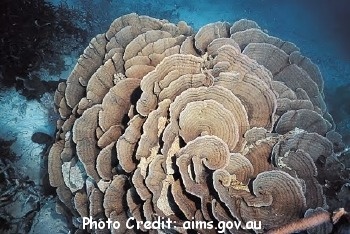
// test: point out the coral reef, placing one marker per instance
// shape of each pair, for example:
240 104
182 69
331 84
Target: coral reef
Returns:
225 124
19 197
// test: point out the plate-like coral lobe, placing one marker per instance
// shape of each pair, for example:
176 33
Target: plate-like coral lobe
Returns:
227 124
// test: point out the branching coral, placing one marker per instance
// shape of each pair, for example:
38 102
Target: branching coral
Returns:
168 123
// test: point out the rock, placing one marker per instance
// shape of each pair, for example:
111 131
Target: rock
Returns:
24 202
48 221
41 138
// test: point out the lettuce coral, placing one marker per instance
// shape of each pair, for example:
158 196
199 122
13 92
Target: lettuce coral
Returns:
212 126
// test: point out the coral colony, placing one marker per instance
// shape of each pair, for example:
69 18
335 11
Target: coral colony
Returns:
161 124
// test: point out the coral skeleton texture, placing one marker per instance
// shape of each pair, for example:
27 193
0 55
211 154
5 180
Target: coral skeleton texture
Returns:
226 124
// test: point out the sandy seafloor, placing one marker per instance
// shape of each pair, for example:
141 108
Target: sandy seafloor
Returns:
303 24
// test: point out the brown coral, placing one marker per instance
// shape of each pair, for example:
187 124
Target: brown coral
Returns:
167 123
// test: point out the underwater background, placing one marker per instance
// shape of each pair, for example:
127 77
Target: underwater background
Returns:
28 121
